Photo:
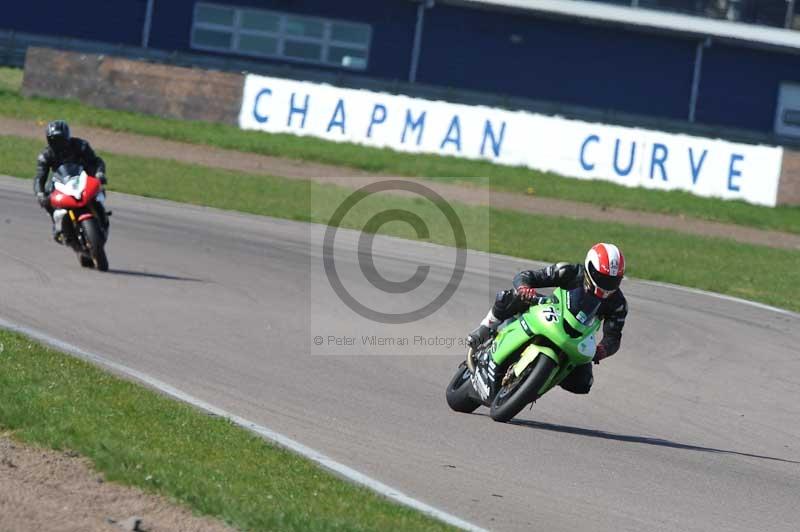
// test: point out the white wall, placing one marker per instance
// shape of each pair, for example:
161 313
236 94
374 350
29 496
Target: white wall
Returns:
627 156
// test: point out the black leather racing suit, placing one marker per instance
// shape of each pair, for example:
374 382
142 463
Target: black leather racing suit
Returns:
77 151
612 311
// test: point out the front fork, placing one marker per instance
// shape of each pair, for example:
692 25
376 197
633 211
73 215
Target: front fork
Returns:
500 372
528 357
75 236
72 230
96 210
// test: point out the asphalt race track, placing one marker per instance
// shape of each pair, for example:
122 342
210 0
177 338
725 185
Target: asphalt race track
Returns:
693 426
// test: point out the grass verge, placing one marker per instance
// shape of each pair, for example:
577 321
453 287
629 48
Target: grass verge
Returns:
140 438
10 79
514 179
709 263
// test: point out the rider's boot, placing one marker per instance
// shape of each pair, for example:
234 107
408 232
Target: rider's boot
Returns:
481 361
58 236
478 336
485 330
103 215
58 220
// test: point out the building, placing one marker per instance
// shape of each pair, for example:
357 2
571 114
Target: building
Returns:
596 60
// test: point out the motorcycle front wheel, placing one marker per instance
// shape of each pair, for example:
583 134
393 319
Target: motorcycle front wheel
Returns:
515 395
96 243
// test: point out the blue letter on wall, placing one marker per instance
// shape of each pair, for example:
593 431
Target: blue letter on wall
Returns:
376 118
260 118
591 138
414 124
338 118
733 172
488 132
293 110
453 134
625 171
660 154
696 169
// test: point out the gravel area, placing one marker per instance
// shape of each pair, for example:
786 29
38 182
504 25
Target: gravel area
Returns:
44 490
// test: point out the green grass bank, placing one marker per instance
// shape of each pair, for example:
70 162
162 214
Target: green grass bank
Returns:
10 79
386 161
712 264
140 438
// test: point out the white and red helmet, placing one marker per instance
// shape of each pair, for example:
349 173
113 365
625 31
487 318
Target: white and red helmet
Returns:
605 268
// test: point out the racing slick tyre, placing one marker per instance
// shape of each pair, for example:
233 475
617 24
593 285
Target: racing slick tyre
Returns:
85 260
461 396
515 395
96 243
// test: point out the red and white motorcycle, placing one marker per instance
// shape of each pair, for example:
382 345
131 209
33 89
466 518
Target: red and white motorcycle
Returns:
79 214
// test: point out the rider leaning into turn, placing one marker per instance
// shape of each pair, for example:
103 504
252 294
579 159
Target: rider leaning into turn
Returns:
599 276
63 148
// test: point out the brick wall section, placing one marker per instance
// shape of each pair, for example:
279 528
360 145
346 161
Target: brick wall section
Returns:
155 89
789 186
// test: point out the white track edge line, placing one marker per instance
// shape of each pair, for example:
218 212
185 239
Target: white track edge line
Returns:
275 437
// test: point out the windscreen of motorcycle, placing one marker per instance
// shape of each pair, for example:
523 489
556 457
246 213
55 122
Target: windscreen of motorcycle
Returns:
583 305
67 171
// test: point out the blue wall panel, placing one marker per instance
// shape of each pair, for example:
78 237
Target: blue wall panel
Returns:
560 61
739 87
392 27
555 60
118 22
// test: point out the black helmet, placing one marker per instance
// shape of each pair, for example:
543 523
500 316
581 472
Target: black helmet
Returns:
57 135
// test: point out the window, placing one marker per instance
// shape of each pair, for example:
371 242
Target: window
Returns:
262 33
787 113
222 16
253 44
260 21
791 117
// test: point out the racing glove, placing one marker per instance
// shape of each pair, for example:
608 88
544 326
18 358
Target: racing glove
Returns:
600 353
102 177
43 199
526 293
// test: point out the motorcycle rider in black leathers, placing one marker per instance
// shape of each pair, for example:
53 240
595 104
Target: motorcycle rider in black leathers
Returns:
598 279
64 148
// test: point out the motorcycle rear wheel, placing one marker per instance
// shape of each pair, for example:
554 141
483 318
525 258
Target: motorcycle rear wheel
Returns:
460 394
514 396
85 260
96 243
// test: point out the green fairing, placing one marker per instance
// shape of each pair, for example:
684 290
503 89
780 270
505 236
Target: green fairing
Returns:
547 319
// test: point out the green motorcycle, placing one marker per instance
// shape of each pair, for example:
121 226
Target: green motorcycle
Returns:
531 353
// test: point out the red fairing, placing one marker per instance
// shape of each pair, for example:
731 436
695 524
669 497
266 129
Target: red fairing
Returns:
93 188
65 201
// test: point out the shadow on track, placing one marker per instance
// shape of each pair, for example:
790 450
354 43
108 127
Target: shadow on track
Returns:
156 276
636 439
